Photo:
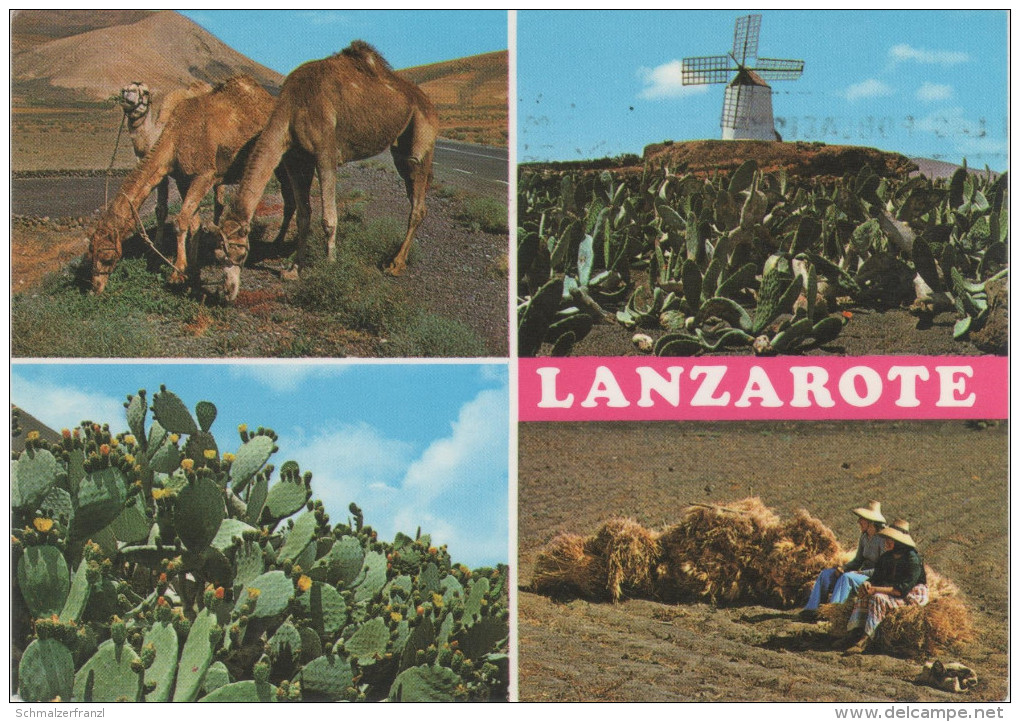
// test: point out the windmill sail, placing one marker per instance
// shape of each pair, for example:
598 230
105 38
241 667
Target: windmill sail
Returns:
747 102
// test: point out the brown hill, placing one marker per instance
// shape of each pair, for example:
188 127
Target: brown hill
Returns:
34 27
470 94
815 160
165 49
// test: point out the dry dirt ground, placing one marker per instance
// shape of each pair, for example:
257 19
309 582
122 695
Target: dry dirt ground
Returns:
948 478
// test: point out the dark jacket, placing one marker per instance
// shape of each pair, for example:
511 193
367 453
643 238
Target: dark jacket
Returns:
902 569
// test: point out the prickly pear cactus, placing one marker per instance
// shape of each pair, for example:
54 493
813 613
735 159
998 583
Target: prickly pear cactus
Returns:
210 577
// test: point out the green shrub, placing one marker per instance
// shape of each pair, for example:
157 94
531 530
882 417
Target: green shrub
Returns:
433 336
485 214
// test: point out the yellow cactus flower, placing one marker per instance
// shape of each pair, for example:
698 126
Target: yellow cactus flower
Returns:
437 599
187 464
242 428
129 458
114 443
174 438
254 593
396 616
228 457
42 525
158 494
304 583
32 436
210 454
130 440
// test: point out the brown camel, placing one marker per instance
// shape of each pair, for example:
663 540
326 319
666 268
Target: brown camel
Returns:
206 141
145 124
346 107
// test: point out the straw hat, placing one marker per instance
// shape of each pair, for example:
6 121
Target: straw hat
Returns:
899 531
872 511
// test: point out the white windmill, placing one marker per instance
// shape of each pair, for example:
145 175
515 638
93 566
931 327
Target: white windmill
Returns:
747 105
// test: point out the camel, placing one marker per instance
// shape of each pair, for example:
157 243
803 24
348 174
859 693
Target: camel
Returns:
206 141
349 106
144 126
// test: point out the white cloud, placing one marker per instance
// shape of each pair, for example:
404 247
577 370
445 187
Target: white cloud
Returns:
666 81
284 378
455 489
904 52
870 88
932 92
62 407
350 463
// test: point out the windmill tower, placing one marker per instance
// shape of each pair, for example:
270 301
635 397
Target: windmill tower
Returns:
747 105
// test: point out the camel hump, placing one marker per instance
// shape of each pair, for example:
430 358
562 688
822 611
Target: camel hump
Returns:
236 83
366 58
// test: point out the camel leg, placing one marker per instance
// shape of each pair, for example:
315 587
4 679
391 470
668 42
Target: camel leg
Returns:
325 164
412 155
162 206
186 219
301 170
287 189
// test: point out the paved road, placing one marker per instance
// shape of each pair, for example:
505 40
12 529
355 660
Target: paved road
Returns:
478 168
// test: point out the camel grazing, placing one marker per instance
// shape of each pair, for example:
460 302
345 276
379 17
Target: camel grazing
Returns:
349 106
145 124
206 141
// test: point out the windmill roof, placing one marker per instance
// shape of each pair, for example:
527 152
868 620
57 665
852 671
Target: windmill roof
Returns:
746 76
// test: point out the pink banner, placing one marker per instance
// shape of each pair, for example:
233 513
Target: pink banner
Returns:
747 388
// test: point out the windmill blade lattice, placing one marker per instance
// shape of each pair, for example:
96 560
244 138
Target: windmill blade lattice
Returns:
776 69
706 70
745 38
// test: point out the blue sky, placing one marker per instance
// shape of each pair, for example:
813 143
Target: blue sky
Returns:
412 444
284 39
923 83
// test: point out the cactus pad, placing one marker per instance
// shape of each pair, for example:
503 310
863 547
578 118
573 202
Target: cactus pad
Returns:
195 658
229 532
100 500
46 671
299 537
44 580
136 410
425 684
324 608
368 643
249 459
163 637
107 676
375 577
272 591
206 413
170 411
198 513
326 677
248 564
78 596
246 691
32 475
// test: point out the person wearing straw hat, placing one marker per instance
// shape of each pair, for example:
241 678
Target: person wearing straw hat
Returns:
836 584
898 580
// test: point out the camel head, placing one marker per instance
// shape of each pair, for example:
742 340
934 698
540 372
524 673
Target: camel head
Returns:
232 253
135 99
103 254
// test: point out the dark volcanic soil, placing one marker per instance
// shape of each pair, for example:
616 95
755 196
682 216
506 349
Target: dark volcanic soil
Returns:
949 479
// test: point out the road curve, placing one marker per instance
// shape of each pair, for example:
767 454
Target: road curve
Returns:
479 168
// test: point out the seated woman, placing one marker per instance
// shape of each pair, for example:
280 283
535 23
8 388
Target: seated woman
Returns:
836 584
898 579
